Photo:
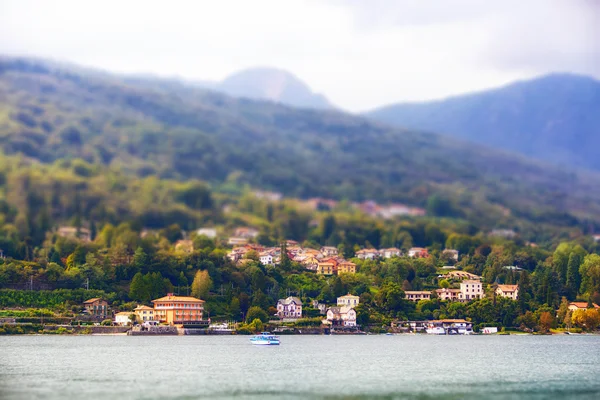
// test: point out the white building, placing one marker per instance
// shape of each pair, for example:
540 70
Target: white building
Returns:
367 254
341 316
329 251
348 300
266 258
208 232
391 252
470 290
122 318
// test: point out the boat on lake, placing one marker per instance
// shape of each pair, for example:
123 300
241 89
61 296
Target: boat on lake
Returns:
265 339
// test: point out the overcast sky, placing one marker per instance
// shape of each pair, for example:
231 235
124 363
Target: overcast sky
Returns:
360 54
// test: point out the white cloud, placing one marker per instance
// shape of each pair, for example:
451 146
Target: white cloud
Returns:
359 54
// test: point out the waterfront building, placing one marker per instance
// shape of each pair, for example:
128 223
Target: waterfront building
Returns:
123 318
178 310
341 316
144 313
289 308
96 307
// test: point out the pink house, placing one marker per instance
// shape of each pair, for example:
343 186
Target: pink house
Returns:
289 308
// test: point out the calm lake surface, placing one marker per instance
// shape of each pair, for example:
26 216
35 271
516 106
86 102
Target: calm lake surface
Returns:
319 367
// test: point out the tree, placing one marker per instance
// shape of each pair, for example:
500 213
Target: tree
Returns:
327 228
563 309
546 321
362 315
587 319
560 260
201 285
338 287
140 259
590 274
139 288
573 276
257 313
234 308
132 318
527 320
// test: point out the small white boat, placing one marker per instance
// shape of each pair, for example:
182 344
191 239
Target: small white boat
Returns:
265 339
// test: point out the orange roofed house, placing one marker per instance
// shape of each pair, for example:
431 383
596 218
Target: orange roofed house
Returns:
581 305
178 310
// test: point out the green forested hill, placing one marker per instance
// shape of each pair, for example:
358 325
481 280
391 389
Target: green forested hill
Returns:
152 127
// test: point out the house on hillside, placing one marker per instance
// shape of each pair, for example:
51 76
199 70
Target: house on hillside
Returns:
329 251
451 253
510 291
237 241
470 290
418 252
246 233
210 233
96 307
367 254
266 258
447 294
348 300
325 268
417 295
72 232
310 262
289 308
346 267
462 275
581 305
391 252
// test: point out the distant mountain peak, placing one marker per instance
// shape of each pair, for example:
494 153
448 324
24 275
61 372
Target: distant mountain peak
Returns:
272 84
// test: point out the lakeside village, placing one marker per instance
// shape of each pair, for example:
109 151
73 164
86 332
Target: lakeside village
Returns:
184 315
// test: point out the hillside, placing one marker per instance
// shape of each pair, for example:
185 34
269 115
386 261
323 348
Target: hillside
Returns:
554 118
173 131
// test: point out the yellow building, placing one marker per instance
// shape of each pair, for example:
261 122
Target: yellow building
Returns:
347 268
144 313
178 310
325 268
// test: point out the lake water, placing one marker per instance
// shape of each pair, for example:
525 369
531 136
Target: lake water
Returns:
319 367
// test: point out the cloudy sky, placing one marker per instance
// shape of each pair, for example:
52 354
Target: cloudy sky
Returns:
360 54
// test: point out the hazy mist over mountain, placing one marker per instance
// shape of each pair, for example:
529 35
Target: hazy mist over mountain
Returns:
272 84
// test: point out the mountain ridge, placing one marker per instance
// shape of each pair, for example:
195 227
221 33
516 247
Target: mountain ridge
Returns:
553 118
148 127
